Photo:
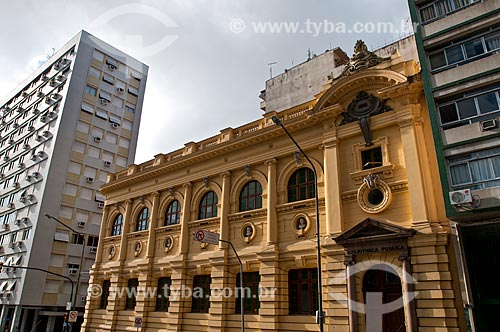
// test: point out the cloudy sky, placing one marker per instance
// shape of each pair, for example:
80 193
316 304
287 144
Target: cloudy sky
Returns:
208 59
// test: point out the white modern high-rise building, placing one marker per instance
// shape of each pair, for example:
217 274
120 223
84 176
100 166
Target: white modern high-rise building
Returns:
63 129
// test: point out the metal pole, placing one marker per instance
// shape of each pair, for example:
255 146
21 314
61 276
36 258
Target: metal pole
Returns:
242 302
320 315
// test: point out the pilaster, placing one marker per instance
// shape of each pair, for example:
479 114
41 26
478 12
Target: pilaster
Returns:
224 211
272 220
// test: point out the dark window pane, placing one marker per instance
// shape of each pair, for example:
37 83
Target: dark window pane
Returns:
467 108
487 102
448 113
454 54
437 60
474 47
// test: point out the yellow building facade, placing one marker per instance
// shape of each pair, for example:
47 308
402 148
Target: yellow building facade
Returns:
383 229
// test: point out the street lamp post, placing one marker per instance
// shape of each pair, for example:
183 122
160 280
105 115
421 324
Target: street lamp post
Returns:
319 314
49 272
81 258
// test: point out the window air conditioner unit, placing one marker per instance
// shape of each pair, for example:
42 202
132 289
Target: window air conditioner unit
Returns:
120 90
60 78
17 222
7 295
93 249
100 205
40 94
36 111
33 157
20 109
83 298
30 197
26 146
19 244
53 82
6 158
15 125
20 165
29 178
114 125
5 226
46 133
43 118
25 94
36 175
11 206
107 163
81 224
52 114
97 139
103 101
458 197
48 100
488 124
111 67
11 141
45 78
16 185
73 271
89 179
25 220
40 154
31 128
12 245
22 199
38 138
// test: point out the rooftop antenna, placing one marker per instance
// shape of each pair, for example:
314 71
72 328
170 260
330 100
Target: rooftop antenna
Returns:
270 64
308 54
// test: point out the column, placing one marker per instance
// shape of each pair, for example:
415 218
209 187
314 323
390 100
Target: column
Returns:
224 211
333 197
152 225
272 290
125 230
102 235
186 217
408 290
351 294
272 220
413 169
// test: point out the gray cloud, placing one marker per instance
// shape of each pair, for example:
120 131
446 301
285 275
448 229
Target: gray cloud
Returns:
210 77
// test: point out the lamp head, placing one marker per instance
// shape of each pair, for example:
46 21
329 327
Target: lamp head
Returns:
276 120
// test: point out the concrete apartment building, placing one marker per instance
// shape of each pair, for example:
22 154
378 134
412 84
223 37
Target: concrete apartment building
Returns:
364 124
63 130
459 49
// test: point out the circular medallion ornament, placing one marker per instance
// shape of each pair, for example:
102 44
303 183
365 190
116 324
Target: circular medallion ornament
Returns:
374 195
248 232
137 248
169 243
301 224
111 251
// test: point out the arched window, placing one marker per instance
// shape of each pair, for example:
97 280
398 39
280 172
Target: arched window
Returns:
301 185
208 206
142 220
173 214
251 196
117 225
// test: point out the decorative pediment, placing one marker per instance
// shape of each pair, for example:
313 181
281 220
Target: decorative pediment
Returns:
361 59
371 230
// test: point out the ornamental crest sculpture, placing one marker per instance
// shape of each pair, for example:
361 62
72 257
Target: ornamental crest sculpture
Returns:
361 109
361 59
